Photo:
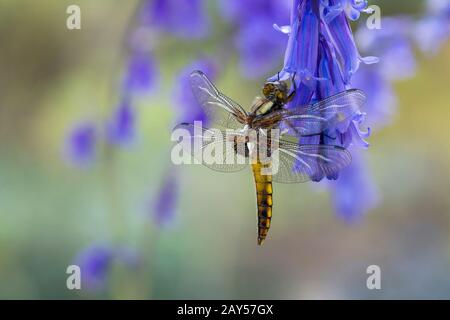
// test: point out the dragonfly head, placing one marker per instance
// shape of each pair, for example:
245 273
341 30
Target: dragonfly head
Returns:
276 91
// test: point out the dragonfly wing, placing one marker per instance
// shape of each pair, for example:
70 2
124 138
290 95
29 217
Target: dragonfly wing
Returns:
300 163
213 148
326 114
218 107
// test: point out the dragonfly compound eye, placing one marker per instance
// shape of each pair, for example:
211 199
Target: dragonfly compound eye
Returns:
280 95
268 89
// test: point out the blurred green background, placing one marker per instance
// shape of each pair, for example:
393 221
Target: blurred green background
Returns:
51 77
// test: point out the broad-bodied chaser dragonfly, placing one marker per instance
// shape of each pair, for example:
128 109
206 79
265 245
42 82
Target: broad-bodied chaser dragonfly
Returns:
296 162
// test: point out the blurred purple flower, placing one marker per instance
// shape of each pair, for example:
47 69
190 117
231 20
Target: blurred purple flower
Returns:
239 11
120 130
166 201
392 44
433 30
186 105
397 61
259 46
80 146
381 100
140 75
354 193
301 55
183 18
95 263
438 7
431 34
256 40
187 110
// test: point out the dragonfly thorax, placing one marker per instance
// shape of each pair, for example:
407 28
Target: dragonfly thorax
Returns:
262 106
265 108
275 97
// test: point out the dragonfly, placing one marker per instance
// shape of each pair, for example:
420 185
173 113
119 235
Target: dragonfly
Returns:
295 162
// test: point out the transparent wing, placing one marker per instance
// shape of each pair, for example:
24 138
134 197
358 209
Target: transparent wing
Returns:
218 107
326 114
211 147
301 163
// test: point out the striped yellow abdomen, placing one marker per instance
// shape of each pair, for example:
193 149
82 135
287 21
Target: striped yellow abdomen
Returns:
264 199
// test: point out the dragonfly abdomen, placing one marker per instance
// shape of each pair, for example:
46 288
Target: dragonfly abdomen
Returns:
264 200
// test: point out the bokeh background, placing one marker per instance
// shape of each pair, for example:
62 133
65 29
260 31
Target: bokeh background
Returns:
51 210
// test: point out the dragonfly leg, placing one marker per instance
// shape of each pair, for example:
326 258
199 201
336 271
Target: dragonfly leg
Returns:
318 134
292 94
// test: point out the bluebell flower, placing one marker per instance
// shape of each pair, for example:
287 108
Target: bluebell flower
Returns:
96 260
303 47
187 110
301 55
312 55
256 40
438 7
165 204
259 47
186 105
182 18
140 76
128 257
340 33
239 11
397 61
120 129
323 56
95 263
354 193
80 145
381 100
347 133
351 8
392 44
433 30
